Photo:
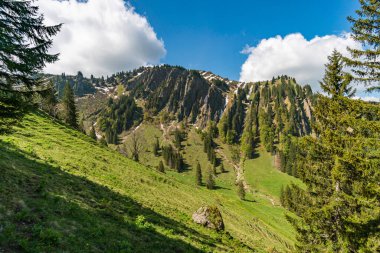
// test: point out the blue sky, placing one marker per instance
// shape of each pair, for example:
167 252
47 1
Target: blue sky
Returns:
210 35
292 37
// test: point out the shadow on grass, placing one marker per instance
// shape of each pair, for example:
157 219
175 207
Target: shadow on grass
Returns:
44 209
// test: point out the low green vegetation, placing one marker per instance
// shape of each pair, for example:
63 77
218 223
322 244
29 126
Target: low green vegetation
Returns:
62 190
262 176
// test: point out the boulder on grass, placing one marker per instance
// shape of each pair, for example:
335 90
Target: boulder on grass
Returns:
209 216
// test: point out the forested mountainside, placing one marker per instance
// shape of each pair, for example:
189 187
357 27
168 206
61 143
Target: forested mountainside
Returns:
268 113
198 97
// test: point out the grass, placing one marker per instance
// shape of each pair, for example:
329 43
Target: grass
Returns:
62 192
261 174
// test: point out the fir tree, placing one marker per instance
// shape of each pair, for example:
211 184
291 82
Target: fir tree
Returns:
223 127
267 134
25 42
340 208
335 81
69 109
172 158
198 174
177 138
156 147
247 137
210 181
241 190
365 30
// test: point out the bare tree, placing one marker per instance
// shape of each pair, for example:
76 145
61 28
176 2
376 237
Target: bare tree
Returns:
136 146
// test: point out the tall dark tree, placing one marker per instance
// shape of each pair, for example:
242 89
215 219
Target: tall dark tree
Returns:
172 158
241 190
198 174
177 138
247 138
24 45
335 81
366 30
341 171
210 181
156 147
69 108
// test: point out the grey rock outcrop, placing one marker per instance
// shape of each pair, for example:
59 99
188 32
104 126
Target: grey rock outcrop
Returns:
209 216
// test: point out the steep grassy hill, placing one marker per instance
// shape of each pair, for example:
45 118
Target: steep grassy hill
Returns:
62 192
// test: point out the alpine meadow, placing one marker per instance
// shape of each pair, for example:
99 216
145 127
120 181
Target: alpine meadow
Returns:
115 139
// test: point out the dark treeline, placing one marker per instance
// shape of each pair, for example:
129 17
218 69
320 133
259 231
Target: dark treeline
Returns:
119 115
232 121
267 112
209 148
173 159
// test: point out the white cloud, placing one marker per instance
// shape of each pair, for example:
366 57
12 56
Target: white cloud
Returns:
293 55
368 98
100 37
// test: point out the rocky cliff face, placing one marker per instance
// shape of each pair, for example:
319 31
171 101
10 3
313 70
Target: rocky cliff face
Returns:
184 93
200 96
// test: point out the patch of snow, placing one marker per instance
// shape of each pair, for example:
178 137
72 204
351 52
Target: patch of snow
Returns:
103 89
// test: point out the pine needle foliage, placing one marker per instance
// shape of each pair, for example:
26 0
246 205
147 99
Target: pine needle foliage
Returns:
366 30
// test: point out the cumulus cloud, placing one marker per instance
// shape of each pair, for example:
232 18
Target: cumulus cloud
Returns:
100 37
293 55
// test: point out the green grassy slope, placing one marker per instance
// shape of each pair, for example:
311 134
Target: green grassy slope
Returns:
62 192
270 226
266 181
261 174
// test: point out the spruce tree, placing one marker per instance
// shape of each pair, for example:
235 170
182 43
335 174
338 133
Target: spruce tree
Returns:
339 209
69 109
24 46
365 30
198 174
335 81
177 139
156 147
210 181
241 190
247 137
